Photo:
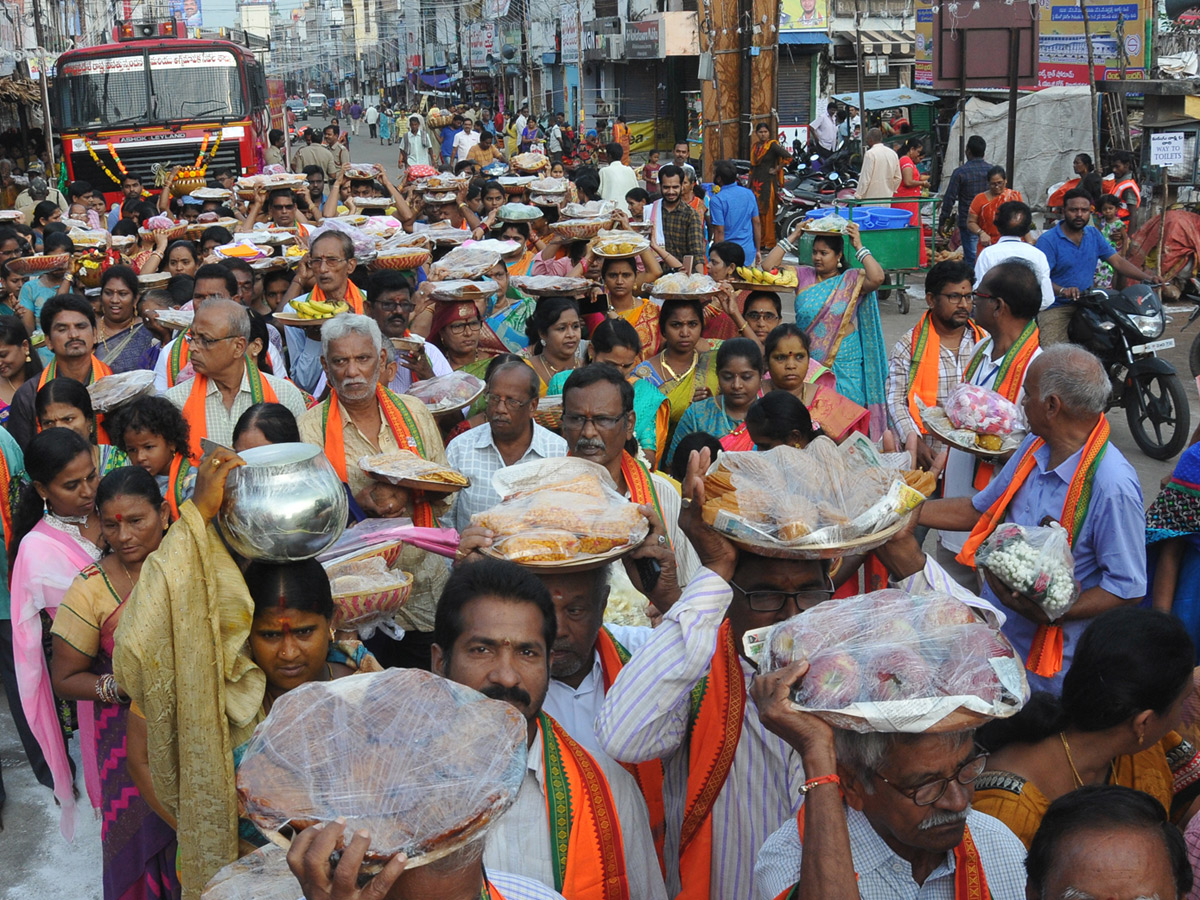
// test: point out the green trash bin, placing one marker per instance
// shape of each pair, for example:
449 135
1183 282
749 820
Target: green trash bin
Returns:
893 248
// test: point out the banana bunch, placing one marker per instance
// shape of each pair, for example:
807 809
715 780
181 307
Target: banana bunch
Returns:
778 277
318 309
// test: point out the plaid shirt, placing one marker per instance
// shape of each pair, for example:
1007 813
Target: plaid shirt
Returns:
683 232
966 182
951 367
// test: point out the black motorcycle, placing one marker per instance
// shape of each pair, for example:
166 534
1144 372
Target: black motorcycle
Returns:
1124 329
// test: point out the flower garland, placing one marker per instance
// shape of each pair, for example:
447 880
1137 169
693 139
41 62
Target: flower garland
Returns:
96 159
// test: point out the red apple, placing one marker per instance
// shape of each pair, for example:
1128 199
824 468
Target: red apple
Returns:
897 672
943 610
832 681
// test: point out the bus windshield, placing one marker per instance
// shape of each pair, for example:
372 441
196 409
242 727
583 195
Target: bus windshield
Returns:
107 92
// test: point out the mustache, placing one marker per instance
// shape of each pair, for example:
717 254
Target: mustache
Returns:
585 444
513 695
938 819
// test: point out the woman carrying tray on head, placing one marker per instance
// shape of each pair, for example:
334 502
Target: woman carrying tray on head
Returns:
456 332
620 277
555 334
684 370
837 307
122 341
506 316
739 376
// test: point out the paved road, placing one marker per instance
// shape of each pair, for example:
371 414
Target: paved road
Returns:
41 864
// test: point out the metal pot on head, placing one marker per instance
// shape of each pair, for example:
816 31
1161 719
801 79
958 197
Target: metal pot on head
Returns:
286 504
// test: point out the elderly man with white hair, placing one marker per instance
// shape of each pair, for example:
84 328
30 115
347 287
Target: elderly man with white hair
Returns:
1067 471
227 381
362 417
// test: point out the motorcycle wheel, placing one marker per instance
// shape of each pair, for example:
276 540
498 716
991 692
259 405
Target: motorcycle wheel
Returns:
1156 408
1194 357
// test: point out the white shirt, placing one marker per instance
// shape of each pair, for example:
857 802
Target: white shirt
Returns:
883 875
575 709
520 125
554 143
514 887
463 143
474 454
1009 247
519 842
617 180
959 480
371 115
186 371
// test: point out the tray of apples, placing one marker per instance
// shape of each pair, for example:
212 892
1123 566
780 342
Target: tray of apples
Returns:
891 661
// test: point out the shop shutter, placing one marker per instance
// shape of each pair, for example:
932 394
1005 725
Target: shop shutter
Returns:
794 100
639 92
845 80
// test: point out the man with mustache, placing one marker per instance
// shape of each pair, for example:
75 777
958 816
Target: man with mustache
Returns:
69 323
361 417
389 302
901 824
578 825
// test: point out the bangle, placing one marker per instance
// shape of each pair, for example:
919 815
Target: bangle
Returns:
106 689
863 253
817 782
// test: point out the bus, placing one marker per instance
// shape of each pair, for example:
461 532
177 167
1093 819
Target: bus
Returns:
147 103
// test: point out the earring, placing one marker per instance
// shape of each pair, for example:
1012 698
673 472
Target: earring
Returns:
27 357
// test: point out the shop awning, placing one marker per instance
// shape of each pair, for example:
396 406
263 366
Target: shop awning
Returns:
888 43
890 99
804 37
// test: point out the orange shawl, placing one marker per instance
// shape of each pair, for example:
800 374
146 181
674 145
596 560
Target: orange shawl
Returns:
354 297
196 414
925 363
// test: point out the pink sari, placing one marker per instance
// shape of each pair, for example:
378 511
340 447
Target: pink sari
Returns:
46 564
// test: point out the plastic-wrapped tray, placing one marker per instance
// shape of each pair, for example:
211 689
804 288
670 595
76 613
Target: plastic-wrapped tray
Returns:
529 162
271 263
463 289
518 212
515 184
366 591
445 235
84 238
179 319
245 249
939 424
422 763
371 202
271 237
552 285
579 229
409 343
448 393
176 232
111 391
465 263
153 280
678 286
406 469
364 172
890 661
36 265
207 193
550 186
436 198
401 258
619 245
195 231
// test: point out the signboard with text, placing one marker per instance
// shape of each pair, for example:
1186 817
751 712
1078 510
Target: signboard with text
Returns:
481 43
643 40
1166 148
570 33
804 15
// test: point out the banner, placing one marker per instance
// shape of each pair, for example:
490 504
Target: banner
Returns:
643 139
481 42
804 15
570 32
188 10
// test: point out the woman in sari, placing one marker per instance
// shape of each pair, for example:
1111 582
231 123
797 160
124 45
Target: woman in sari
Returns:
767 159
455 331
121 338
912 182
620 278
683 371
616 342
982 215
793 371
506 316
721 317
138 847
17 362
1173 544
739 380
56 534
1115 723
837 308
179 258
555 332
65 403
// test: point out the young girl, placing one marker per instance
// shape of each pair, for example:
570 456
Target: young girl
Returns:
1113 229
650 173
154 434
65 403
793 371
739 380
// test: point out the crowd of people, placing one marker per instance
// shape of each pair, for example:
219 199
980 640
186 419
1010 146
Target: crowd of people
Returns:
139 643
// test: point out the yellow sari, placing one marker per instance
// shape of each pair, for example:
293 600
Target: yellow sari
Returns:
679 390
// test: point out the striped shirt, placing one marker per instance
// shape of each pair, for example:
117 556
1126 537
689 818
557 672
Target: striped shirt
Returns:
221 420
515 887
952 363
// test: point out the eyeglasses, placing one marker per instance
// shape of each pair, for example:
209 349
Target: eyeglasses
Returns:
757 316
390 306
984 295
464 327
959 299
774 601
931 792
575 422
495 400
326 262
199 340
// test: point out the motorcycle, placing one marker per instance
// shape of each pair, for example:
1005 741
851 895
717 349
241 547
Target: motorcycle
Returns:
1124 329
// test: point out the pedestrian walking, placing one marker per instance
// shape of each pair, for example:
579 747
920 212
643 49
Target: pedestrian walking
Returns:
371 115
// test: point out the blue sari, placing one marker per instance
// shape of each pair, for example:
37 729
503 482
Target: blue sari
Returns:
1175 516
504 331
708 416
846 335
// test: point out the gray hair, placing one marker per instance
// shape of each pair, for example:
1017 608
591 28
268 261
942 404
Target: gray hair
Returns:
512 366
1076 377
863 754
236 315
347 324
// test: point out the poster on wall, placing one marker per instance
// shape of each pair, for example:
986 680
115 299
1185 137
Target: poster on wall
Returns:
1179 15
188 10
923 56
804 15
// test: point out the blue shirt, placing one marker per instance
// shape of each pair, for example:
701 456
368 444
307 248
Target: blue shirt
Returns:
1072 266
967 181
734 208
448 136
1109 551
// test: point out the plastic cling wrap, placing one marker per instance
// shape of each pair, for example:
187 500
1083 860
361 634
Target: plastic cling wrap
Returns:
464 262
892 661
447 392
1033 561
366 593
982 411
422 763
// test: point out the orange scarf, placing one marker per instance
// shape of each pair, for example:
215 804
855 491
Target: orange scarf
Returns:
718 704
970 882
1009 380
648 775
1045 655
99 370
492 893
196 415
925 364
404 430
353 296
6 506
641 488
587 852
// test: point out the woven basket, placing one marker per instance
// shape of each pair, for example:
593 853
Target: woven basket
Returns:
581 232
439 121
349 609
36 265
407 259
515 189
174 233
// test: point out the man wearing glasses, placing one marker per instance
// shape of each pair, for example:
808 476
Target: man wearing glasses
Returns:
751 777
509 436
389 302
930 360
281 209
227 382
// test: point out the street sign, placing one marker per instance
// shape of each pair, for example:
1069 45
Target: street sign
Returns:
1166 148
